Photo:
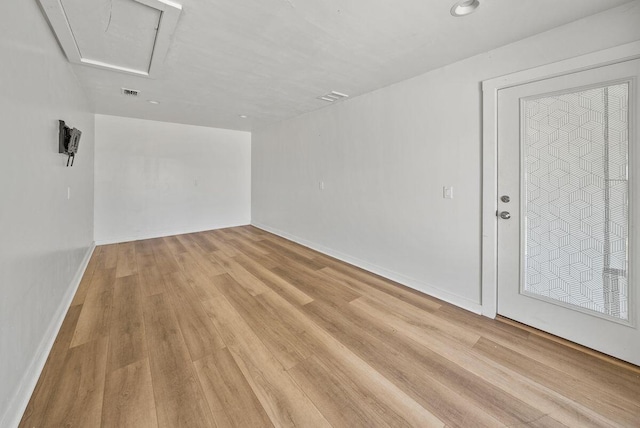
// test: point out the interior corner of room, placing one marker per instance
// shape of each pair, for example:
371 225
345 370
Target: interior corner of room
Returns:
388 178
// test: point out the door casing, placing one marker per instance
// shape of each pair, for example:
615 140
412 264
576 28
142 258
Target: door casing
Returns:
490 88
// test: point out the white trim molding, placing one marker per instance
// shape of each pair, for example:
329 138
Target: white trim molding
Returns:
490 90
20 400
167 23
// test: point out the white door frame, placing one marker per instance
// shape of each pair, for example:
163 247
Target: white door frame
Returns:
490 90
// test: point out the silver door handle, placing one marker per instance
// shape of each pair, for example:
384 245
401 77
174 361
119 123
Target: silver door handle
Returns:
505 215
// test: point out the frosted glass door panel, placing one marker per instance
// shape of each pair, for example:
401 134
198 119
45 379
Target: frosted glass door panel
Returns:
568 203
575 213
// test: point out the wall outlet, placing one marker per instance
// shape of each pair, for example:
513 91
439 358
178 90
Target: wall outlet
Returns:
447 192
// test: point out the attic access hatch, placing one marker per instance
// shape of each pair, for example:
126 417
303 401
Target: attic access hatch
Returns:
129 36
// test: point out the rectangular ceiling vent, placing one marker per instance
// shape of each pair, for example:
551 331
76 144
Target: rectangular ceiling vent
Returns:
130 92
333 96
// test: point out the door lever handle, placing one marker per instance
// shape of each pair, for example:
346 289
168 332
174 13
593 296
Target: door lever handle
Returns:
506 215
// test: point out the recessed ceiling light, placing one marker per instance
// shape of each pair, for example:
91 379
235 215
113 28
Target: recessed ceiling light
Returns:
464 7
154 102
243 116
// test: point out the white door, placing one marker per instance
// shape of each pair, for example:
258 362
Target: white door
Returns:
569 207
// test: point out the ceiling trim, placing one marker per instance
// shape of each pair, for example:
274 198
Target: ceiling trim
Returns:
169 14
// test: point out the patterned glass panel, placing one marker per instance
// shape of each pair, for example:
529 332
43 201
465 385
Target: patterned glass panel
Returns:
576 186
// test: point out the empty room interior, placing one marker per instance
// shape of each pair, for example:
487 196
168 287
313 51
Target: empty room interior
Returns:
340 213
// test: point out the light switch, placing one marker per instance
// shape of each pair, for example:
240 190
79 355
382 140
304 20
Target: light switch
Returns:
68 192
447 192
321 185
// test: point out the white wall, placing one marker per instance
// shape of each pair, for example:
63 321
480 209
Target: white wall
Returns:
158 179
385 156
45 236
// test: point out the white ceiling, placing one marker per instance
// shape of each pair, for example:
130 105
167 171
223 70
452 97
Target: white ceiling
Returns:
270 59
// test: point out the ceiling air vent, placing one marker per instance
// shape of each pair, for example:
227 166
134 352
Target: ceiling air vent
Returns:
333 96
130 92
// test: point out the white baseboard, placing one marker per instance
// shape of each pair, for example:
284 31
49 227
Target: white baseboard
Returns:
160 234
420 286
20 400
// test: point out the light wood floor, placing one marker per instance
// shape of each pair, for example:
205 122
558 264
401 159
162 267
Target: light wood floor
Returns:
238 327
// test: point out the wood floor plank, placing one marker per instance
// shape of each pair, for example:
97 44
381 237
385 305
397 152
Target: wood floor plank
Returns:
240 327
381 396
423 323
78 397
231 233
509 381
189 243
246 247
202 241
287 247
144 261
622 368
574 388
51 373
126 260
178 396
279 395
164 258
286 256
255 231
610 378
486 327
144 254
153 243
391 361
128 397
201 279
507 408
108 257
341 402
144 247
266 258
208 265
389 400
230 397
151 281
83 287
199 333
250 233
381 293
273 281
220 241
313 285
281 338
252 284
127 342
545 422
95 315
336 267
174 244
